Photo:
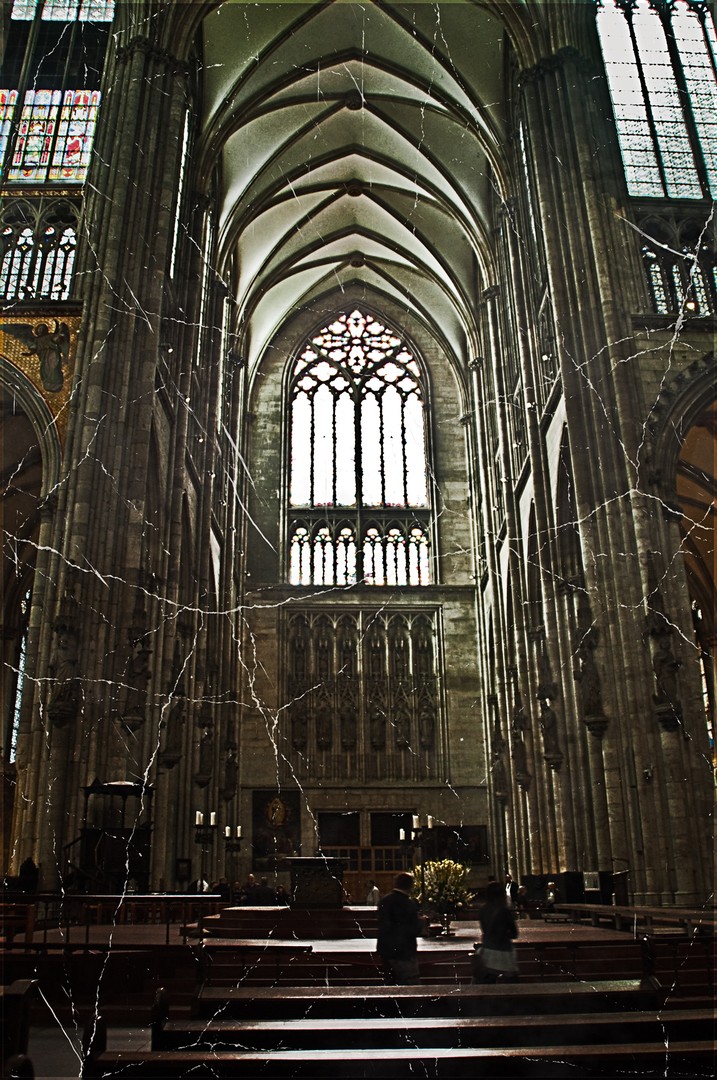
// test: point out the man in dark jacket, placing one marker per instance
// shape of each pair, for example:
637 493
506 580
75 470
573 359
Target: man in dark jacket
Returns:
399 925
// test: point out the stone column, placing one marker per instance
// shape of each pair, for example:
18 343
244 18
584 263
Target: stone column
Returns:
598 370
99 520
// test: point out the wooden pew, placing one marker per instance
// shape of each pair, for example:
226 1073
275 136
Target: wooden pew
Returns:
257 961
15 1001
649 1061
501 1031
17 918
337 1002
431 1031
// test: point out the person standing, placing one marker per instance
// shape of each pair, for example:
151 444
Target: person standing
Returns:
496 956
511 890
399 926
373 895
552 896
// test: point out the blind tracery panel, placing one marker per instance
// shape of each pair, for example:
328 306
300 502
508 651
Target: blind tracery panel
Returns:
358 442
362 696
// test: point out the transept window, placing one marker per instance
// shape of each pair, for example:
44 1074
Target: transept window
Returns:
358 476
50 101
661 65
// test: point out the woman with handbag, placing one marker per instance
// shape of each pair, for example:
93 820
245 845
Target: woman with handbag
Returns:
496 957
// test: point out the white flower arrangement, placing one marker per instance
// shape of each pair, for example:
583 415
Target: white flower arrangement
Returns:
442 886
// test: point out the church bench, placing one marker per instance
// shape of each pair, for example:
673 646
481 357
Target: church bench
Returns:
17 919
294 1002
430 1031
15 1000
249 960
629 918
647 1060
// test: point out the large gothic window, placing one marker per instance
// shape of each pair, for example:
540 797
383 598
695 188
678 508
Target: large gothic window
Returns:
358 476
661 65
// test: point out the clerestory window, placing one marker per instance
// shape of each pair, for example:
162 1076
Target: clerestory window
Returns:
50 97
661 65
358 477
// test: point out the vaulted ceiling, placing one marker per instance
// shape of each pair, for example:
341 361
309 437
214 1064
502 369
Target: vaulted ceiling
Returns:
355 144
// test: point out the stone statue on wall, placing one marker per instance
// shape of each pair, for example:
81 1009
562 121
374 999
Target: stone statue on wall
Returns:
206 759
520 761
426 721
588 680
665 666
500 779
229 782
324 727
137 676
174 723
299 728
402 729
66 694
549 727
349 727
377 728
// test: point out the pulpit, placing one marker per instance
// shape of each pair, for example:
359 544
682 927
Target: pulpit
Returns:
316 882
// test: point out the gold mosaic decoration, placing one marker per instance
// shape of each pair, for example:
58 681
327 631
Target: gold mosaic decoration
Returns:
43 347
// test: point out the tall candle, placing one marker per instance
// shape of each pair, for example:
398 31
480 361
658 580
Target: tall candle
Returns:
430 822
212 818
198 818
238 832
416 821
401 834
228 831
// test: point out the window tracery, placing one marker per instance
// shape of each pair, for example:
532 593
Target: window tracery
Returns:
680 267
37 250
358 443
661 66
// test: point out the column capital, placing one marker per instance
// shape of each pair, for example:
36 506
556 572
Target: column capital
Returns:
162 56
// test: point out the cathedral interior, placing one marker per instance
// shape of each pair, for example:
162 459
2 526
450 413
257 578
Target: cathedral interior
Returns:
358 407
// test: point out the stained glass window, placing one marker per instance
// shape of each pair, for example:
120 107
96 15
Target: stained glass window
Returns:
54 137
24 10
8 100
65 10
358 441
664 95
696 40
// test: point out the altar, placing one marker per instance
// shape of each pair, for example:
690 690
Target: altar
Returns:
316 882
